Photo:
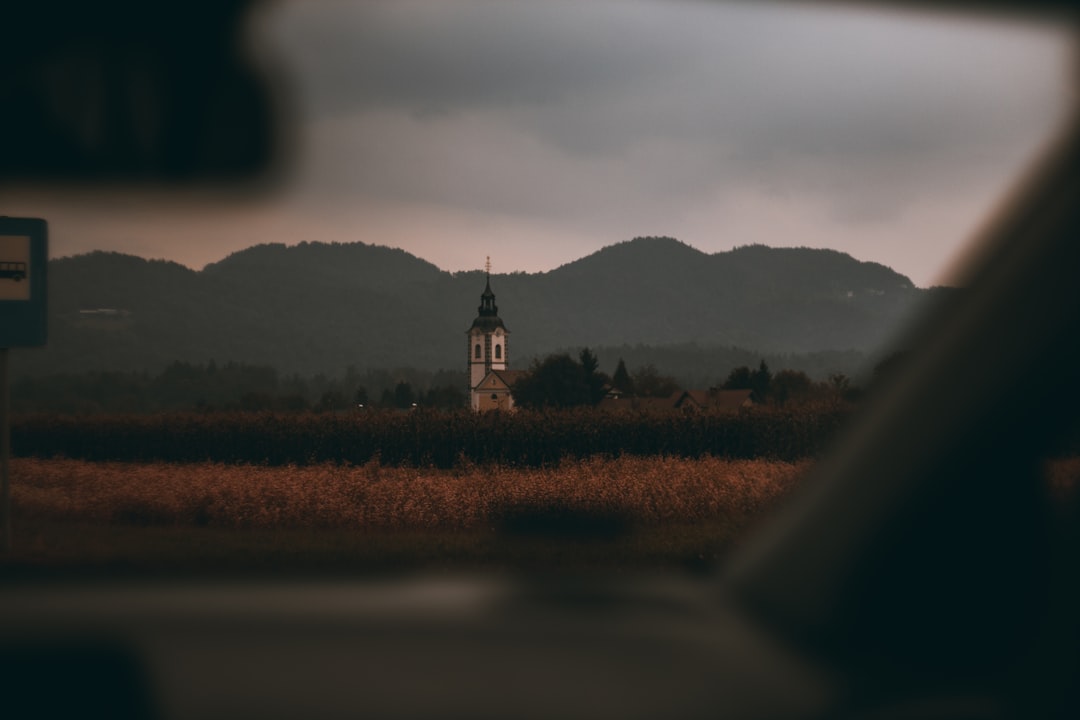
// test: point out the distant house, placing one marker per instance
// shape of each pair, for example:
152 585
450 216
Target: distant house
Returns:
631 404
714 399
648 405
681 401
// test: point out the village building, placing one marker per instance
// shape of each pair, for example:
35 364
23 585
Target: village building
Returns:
714 399
493 392
685 401
488 347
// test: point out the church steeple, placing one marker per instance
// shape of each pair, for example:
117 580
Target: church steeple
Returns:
488 308
488 338
487 315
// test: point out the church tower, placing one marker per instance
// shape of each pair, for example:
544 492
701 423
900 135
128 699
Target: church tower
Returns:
488 341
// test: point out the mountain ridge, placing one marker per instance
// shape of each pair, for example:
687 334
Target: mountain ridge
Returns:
320 307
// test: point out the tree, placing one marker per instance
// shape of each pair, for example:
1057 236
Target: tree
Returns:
740 378
331 400
594 379
558 381
743 378
447 397
648 382
621 380
843 389
404 397
839 382
760 383
589 363
791 385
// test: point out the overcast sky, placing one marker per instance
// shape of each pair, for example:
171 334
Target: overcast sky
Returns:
538 131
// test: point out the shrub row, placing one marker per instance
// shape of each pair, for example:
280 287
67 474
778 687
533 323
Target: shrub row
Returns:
426 438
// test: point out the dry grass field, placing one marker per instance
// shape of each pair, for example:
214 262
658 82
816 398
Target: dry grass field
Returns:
617 513
609 514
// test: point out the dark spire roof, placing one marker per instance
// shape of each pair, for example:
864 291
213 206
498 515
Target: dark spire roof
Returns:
487 318
488 308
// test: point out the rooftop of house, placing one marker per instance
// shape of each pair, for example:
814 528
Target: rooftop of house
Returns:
712 399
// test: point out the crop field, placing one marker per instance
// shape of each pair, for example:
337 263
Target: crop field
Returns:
270 493
615 513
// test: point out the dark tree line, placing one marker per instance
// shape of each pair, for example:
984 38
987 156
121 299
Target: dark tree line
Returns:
557 381
560 381
788 386
235 387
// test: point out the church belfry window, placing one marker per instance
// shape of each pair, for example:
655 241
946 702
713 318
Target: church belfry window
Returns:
477 351
498 352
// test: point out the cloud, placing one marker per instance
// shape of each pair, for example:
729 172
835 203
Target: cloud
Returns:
436 57
554 127
876 107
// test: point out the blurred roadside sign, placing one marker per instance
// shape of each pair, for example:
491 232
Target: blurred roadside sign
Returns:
23 265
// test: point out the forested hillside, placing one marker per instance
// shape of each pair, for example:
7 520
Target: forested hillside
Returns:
319 308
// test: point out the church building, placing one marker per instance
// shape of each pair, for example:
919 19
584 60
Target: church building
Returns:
488 346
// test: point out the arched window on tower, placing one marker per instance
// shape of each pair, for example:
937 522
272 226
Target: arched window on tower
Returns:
476 352
498 352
